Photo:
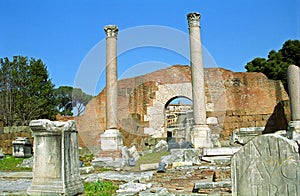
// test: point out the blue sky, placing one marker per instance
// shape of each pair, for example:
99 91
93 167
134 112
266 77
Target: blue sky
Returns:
64 33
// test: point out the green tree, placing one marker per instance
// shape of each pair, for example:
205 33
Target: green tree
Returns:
79 100
27 91
71 100
275 67
63 96
7 92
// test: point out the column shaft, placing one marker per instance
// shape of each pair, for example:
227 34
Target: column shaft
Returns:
111 77
196 61
294 91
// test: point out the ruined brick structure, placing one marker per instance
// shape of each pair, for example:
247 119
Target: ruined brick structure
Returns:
237 100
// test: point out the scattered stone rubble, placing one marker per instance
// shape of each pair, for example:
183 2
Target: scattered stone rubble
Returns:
161 146
120 176
133 188
182 155
188 174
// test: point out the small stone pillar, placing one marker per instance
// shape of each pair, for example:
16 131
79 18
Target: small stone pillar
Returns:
294 93
111 139
201 132
21 147
56 160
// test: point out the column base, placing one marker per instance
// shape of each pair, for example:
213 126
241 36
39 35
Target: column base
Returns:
110 154
111 140
201 137
55 187
293 132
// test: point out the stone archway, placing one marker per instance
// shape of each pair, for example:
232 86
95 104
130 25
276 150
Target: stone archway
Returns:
178 113
155 112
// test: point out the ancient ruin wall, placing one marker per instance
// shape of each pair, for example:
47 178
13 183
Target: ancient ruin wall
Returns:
252 100
236 99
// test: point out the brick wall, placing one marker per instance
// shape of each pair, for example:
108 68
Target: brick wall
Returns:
249 100
238 100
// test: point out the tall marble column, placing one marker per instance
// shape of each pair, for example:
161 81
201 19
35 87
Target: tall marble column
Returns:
111 77
111 139
294 94
201 132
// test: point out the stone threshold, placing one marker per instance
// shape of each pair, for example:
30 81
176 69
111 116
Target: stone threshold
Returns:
16 175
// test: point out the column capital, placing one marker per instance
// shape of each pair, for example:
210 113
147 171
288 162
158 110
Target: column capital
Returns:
111 31
194 19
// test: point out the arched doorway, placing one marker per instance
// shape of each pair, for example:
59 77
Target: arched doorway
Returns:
164 95
178 118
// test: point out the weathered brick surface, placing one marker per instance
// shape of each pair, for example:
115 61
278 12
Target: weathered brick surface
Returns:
239 100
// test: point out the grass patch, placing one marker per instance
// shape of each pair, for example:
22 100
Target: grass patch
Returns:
9 163
99 187
152 157
149 158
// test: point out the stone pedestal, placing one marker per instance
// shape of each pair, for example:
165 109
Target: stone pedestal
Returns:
201 136
56 161
21 147
110 154
111 139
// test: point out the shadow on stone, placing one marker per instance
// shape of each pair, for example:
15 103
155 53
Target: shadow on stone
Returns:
279 118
